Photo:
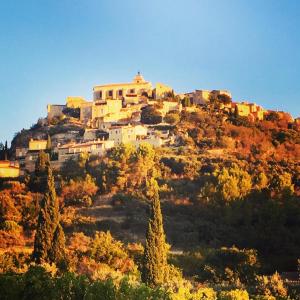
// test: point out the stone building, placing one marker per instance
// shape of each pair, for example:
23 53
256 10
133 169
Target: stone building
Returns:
73 150
161 90
245 109
202 96
75 102
37 145
9 169
55 110
123 134
129 92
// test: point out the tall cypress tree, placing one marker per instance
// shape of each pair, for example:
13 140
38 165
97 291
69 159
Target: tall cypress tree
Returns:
155 254
5 151
49 239
38 180
49 143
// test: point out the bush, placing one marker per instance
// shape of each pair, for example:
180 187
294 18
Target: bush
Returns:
105 249
205 294
79 192
150 115
271 286
8 239
172 118
233 295
16 262
11 226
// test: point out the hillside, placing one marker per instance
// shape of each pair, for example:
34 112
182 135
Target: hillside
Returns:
228 186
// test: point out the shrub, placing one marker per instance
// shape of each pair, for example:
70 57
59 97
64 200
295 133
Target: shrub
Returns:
150 115
11 261
271 286
11 226
233 295
79 192
105 249
172 118
8 239
230 265
205 294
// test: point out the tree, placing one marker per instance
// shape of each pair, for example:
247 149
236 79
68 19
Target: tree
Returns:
172 118
272 116
155 254
224 98
38 180
5 151
49 143
79 191
281 185
150 115
41 164
227 184
49 239
186 102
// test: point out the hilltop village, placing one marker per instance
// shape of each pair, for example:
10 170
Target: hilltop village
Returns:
120 113
220 177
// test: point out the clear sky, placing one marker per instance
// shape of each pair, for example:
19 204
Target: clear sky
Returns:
50 49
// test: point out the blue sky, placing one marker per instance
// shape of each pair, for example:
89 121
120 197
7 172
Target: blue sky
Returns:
50 49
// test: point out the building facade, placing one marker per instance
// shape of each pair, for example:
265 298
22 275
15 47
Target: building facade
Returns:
201 97
9 169
123 134
129 92
37 145
73 150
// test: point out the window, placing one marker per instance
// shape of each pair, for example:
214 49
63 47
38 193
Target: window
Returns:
132 91
110 93
120 92
100 94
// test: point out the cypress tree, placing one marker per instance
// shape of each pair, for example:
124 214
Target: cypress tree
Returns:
5 151
38 180
155 254
49 143
41 164
49 239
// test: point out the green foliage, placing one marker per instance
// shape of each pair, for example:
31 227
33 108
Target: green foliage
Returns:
79 192
38 180
271 286
282 185
72 112
49 238
272 116
227 184
11 226
150 115
72 168
186 102
230 265
14 262
126 168
104 248
233 295
155 254
38 284
49 143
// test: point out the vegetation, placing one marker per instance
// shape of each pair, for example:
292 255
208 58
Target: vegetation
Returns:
225 195
155 254
150 115
49 239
